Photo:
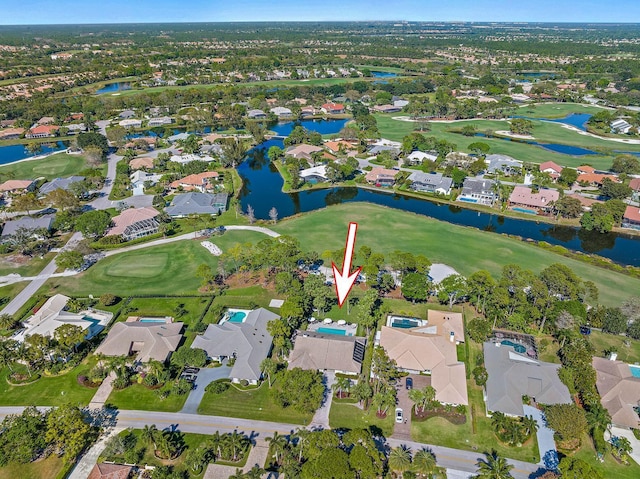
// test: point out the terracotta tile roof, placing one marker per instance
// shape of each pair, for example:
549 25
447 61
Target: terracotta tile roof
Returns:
619 390
130 217
632 213
194 180
523 195
143 162
44 129
12 185
377 173
634 184
586 169
596 178
584 200
110 471
550 165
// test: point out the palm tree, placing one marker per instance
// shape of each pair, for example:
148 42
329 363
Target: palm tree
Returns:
7 321
494 467
279 444
499 421
341 385
302 437
418 397
214 444
235 442
598 417
150 434
424 464
530 425
400 459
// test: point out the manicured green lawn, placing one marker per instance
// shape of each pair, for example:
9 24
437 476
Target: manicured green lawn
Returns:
604 342
465 249
30 268
139 397
556 110
48 391
10 291
51 167
350 416
167 307
45 469
164 269
610 468
250 404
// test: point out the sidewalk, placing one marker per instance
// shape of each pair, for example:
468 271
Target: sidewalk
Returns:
85 464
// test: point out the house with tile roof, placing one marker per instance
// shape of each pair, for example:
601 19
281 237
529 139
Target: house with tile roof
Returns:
42 131
17 186
332 108
619 391
201 182
105 470
134 223
145 340
631 218
381 176
142 162
542 201
327 352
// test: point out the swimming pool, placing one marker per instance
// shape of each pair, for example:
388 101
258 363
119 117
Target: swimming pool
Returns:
237 316
468 200
405 323
340 332
635 371
152 320
519 348
525 210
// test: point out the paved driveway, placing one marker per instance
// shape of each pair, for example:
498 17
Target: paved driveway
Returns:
205 376
546 443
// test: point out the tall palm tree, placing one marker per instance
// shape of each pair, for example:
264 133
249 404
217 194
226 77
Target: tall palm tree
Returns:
302 438
150 434
424 464
214 444
499 421
494 467
598 417
400 459
279 444
341 385
530 425
418 397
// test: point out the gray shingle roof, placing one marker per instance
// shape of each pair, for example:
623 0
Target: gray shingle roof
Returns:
249 341
435 180
27 222
197 203
150 340
59 183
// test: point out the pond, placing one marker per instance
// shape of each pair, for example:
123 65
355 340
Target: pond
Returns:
262 189
13 153
379 74
578 120
114 87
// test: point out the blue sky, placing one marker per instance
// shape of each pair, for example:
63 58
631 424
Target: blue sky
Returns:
116 11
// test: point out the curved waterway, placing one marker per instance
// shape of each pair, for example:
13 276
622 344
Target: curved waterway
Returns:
263 190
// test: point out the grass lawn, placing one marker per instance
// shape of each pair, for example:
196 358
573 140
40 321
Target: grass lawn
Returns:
30 268
167 307
45 469
164 269
48 391
465 249
556 110
603 342
51 167
610 468
139 397
350 416
11 291
254 404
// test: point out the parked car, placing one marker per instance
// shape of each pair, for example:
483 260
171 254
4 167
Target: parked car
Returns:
409 383
399 415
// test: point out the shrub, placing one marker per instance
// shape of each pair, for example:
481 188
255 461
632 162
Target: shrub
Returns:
133 456
480 376
479 329
120 382
108 299
244 383
218 387
181 387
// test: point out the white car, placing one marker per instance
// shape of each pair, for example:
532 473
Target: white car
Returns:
399 415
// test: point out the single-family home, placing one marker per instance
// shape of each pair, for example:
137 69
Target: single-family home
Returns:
105 470
201 182
134 223
375 150
177 137
46 120
188 158
332 108
429 350
256 114
7 123
542 201
53 314
585 169
42 131
387 109
160 121
620 126
145 340
139 180
478 190
315 174
327 352
281 112
438 272
551 168
303 152
634 184
17 186
130 123
307 111
248 342
60 184
631 218
400 103
585 202
430 182
595 179
142 143
27 223
419 157
619 390
142 162
186 204
502 164
381 176
513 375
339 145
75 128
127 114
11 133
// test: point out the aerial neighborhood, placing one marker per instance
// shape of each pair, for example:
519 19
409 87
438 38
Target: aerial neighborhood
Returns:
174 210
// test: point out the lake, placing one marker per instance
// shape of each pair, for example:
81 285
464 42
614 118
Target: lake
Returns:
378 74
13 153
578 120
262 190
114 87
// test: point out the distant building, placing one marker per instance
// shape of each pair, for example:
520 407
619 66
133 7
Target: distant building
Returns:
419 157
197 203
478 190
60 184
11 133
542 201
381 176
42 131
430 182
502 164
303 152
163 120
332 108
387 109
256 115
620 126
130 123
281 112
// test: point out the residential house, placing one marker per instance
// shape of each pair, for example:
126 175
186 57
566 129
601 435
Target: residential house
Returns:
634 184
17 186
177 137
315 174
513 375
595 179
381 176
46 120
140 163
145 340
431 350
281 112
160 121
11 133
430 182
143 142
585 169
7 123
188 158
140 179
619 391
438 272
248 342
620 126
327 352
303 152
551 168
201 182
502 164
387 109
53 314
256 114
586 203
332 108
127 114
60 184
337 146
419 157
134 223
28 223
197 203
75 128
400 103
307 111
130 123
631 218
542 201
104 470
377 149
478 190
42 131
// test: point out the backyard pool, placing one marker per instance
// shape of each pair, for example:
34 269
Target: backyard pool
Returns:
152 320
405 323
635 371
340 332
519 348
525 210
235 315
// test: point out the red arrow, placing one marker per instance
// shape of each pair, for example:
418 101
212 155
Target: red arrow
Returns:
344 281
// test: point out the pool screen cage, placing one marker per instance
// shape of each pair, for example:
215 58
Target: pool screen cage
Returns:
526 340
